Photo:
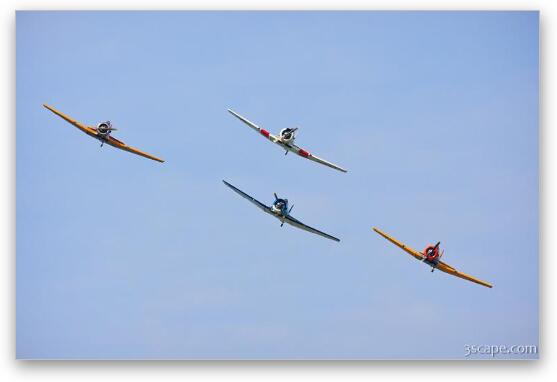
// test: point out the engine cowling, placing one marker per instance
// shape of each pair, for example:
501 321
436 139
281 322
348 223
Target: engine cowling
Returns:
279 206
104 129
431 253
288 134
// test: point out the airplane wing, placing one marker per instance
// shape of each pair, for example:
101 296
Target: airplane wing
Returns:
410 251
261 131
111 140
250 198
122 146
296 223
450 270
86 129
308 155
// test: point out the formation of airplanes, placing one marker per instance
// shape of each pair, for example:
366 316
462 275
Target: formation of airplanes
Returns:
279 209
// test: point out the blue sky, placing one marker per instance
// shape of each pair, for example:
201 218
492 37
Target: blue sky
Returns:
435 115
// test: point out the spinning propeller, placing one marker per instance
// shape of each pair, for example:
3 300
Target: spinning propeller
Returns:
104 129
430 254
286 204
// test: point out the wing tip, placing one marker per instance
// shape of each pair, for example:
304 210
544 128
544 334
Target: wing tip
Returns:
152 157
241 118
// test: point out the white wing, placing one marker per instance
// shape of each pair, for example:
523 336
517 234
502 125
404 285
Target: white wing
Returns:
261 131
303 153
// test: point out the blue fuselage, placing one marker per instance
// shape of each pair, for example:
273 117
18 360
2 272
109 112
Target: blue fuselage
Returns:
280 207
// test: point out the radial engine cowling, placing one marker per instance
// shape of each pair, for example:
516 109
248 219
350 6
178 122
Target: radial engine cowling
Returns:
431 253
288 135
104 128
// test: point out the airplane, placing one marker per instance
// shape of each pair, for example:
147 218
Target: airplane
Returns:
102 133
432 257
280 210
285 139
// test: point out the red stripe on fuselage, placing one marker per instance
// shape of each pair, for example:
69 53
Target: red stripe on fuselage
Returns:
303 153
265 133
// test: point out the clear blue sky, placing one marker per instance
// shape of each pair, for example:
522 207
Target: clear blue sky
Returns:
435 115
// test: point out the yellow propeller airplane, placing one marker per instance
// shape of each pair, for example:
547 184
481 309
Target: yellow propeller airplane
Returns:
432 257
102 133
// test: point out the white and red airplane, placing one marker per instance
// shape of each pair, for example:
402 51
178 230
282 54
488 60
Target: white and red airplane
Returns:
279 209
285 139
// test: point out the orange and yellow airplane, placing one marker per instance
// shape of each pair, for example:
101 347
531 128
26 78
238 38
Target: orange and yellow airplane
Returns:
102 133
432 257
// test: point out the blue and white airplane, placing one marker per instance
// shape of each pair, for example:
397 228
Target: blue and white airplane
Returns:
280 210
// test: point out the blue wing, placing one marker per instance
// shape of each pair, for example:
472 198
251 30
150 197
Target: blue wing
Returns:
296 223
250 198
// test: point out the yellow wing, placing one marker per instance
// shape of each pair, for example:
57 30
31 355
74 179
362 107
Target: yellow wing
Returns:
86 129
110 140
122 146
413 252
450 270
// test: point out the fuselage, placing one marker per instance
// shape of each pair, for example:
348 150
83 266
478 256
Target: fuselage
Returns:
280 208
432 263
432 256
104 138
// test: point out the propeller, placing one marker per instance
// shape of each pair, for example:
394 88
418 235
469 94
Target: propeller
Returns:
290 209
432 249
107 126
104 129
276 197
